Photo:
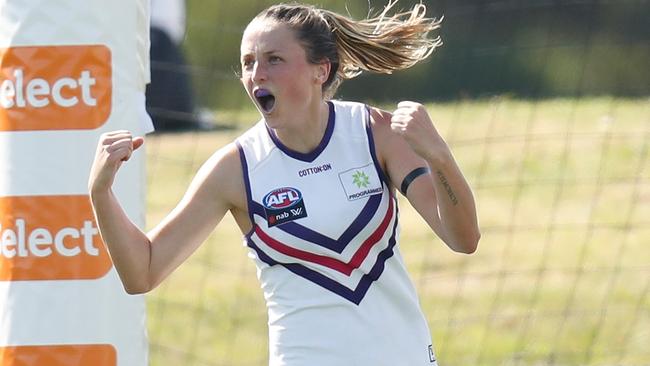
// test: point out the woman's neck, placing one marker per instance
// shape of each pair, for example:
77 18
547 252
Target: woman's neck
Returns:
306 131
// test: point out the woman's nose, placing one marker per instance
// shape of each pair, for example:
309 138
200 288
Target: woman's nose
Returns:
259 72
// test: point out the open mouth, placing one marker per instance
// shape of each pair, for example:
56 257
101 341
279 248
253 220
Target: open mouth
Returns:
265 99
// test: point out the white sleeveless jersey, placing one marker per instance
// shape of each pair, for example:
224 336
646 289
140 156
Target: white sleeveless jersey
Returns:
324 239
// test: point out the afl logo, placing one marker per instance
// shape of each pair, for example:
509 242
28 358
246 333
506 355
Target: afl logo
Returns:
282 205
282 198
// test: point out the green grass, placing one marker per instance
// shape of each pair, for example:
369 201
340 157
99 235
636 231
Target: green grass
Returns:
561 276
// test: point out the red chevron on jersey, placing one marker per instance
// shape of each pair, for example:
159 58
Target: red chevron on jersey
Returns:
326 261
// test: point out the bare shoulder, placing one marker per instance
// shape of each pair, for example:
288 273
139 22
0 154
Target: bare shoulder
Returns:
381 132
225 159
221 176
393 152
380 120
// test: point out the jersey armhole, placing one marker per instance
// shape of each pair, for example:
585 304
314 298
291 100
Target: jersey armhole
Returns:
373 153
247 183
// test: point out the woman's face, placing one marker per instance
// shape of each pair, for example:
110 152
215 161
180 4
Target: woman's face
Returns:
276 74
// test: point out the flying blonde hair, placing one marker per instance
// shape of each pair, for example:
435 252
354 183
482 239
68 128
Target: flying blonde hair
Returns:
380 44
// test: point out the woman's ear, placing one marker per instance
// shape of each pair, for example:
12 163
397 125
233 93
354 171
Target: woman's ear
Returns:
323 71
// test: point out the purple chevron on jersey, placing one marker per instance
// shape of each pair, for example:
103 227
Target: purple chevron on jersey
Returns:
355 295
307 234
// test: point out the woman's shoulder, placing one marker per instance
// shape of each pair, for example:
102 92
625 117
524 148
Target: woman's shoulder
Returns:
224 160
379 121
222 173
382 134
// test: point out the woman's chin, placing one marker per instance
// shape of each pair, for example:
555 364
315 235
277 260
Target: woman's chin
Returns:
271 119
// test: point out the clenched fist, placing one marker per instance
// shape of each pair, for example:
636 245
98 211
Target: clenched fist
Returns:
412 122
113 149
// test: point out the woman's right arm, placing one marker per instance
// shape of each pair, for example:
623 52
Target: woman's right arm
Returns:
144 260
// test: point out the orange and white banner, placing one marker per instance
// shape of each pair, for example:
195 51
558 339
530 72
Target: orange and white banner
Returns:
73 91
96 355
50 238
69 71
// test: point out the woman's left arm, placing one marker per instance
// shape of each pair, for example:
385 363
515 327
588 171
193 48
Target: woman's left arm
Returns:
407 140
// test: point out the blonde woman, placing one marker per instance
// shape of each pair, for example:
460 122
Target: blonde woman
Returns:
312 187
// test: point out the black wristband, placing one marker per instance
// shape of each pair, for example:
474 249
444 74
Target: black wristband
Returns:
410 177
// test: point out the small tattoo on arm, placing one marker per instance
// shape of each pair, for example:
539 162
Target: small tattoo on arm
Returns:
450 192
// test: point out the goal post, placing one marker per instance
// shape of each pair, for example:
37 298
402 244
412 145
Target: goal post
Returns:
69 71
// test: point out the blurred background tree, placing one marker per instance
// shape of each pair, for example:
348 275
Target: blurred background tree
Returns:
522 48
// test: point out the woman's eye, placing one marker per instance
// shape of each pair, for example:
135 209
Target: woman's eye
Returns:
274 59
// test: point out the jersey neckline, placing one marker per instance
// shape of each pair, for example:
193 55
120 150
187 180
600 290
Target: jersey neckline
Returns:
310 156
